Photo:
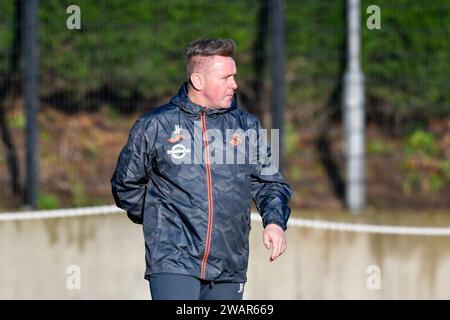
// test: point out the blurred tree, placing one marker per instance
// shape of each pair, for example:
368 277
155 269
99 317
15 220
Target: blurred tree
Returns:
9 81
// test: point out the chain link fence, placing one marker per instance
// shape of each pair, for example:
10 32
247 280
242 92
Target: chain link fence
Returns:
127 58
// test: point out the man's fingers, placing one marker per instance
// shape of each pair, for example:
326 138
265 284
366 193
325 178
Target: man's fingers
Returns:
276 252
274 237
267 241
278 249
283 247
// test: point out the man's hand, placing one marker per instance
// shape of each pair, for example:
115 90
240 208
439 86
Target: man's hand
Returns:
273 236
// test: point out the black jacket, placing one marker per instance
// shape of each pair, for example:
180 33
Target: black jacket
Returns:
195 211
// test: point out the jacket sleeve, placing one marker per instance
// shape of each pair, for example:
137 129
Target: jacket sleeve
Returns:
131 176
270 191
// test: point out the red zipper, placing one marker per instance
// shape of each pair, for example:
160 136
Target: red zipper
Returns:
210 198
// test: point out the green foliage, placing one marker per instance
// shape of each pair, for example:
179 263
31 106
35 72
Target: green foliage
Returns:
295 173
416 180
2 157
445 169
47 201
6 33
436 182
78 194
44 136
421 143
16 120
376 147
291 139
112 114
425 170
315 39
406 62
136 48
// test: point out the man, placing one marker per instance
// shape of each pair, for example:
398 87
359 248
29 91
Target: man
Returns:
194 208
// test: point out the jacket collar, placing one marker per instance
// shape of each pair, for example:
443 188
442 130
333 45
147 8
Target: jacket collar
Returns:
182 100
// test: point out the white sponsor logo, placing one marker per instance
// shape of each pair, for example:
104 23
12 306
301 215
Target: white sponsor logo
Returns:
178 151
232 146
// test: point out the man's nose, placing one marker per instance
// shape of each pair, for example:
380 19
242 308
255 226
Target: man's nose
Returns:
233 84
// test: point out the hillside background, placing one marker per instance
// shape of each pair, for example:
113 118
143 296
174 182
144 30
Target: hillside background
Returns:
128 59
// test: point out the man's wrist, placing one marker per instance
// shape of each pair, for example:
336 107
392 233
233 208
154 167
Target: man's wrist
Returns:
275 222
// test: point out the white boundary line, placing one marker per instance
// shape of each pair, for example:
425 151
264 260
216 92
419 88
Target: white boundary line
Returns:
294 222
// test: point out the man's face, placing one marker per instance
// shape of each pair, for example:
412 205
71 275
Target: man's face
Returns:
220 84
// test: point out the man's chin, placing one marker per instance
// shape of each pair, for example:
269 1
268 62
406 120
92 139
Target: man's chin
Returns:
227 104
224 105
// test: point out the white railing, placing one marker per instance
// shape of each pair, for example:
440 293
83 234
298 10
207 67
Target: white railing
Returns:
293 222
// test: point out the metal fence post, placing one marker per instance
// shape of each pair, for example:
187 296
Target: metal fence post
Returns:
30 86
354 113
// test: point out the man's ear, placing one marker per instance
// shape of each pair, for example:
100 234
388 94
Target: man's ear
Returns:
197 81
